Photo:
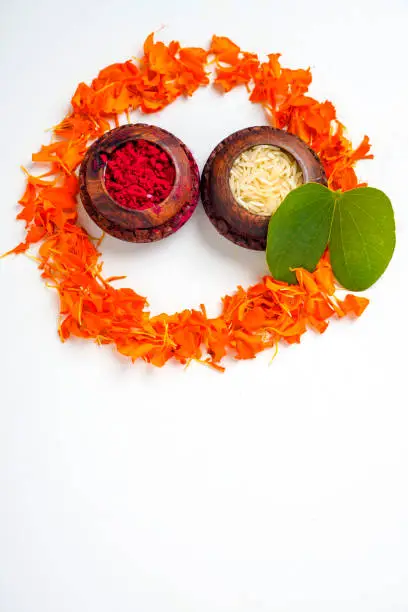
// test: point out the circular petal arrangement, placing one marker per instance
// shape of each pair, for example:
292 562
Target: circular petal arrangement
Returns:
252 319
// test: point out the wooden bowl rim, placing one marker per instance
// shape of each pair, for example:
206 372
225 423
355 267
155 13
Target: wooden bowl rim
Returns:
274 137
108 143
230 148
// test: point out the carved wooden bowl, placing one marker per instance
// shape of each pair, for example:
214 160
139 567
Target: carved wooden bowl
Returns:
152 223
229 218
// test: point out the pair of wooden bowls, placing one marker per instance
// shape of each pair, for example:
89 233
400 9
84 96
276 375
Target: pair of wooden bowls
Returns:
229 218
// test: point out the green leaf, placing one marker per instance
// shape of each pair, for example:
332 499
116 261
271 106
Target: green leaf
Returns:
299 231
362 239
358 226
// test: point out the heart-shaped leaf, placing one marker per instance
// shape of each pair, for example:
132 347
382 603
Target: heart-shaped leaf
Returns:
358 226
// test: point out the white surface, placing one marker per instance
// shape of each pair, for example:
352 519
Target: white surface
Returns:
279 489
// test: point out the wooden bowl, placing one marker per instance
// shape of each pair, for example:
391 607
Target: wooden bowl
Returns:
229 218
139 225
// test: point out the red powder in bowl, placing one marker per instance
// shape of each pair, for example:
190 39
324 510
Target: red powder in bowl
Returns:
139 175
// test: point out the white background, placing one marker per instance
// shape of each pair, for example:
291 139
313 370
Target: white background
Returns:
279 489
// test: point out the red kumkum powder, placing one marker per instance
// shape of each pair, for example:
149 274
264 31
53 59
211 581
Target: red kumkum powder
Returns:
139 175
